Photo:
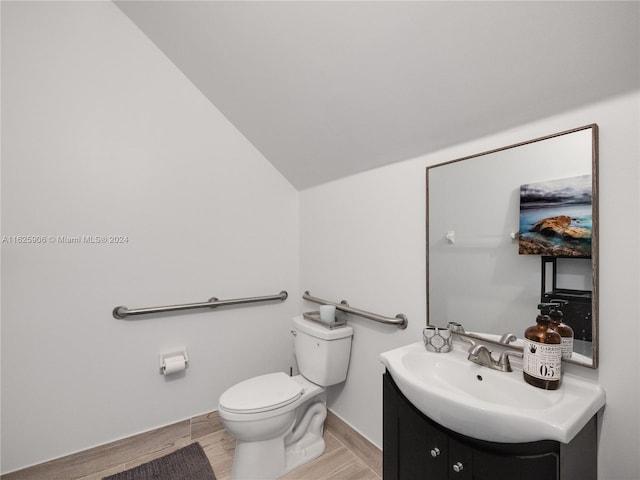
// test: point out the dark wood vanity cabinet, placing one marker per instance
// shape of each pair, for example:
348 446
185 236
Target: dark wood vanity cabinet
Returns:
417 448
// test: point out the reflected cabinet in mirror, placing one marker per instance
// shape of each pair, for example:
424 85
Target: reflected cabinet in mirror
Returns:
514 228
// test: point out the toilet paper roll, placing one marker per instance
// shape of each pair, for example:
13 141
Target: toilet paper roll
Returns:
173 364
328 313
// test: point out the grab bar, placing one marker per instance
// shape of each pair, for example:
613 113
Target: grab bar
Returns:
123 312
400 320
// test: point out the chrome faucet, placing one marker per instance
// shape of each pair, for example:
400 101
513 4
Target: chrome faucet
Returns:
507 338
457 328
481 355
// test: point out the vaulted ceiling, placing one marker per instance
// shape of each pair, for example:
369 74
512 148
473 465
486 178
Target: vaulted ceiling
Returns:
326 89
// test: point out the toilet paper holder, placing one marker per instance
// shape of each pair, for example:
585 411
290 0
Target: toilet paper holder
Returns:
174 362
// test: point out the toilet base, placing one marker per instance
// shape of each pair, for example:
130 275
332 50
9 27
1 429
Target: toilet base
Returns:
273 458
308 448
264 460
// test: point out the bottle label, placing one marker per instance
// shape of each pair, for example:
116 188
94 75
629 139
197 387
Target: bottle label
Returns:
567 347
542 360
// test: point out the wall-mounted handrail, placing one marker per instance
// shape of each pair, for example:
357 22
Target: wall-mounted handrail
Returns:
123 312
400 320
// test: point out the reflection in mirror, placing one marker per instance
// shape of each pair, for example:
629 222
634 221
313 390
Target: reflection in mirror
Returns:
512 228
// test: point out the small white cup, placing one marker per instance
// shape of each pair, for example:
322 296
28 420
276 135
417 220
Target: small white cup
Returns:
328 313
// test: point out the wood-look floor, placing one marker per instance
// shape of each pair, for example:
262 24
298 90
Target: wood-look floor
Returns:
348 456
337 463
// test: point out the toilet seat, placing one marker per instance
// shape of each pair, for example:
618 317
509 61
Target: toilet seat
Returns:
261 394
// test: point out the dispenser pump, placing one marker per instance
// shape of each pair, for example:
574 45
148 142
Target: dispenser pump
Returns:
542 358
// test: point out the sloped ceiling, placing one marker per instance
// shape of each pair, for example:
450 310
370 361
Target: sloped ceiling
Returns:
328 89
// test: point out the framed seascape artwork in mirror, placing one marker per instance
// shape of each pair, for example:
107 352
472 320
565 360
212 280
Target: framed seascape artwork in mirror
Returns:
514 229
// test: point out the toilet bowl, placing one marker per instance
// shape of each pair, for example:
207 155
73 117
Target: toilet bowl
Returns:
277 419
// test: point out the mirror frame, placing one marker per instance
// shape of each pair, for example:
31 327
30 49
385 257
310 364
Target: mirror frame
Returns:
594 234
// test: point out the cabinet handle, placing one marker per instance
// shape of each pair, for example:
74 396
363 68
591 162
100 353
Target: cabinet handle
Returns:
435 451
458 467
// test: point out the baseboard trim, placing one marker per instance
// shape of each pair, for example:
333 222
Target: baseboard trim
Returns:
117 456
355 441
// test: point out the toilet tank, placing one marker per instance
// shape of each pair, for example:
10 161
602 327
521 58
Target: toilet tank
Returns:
322 353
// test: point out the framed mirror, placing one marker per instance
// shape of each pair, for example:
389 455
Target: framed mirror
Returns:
512 228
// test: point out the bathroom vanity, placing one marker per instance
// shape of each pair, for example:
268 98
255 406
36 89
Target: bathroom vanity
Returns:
446 417
415 447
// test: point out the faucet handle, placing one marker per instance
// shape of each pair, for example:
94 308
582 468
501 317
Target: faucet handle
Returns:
471 343
503 362
506 338
455 327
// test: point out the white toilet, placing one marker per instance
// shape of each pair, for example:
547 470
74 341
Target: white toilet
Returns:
278 419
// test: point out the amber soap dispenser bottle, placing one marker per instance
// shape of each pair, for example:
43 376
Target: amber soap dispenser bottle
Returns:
542 358
565 331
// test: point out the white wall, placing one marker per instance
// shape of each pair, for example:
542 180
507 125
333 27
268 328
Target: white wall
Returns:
363 239
102 135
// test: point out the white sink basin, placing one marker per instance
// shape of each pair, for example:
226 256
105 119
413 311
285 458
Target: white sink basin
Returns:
488 404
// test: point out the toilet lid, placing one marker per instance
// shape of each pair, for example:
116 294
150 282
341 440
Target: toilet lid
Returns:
260 394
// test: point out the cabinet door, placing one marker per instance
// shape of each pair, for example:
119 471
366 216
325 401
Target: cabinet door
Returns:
488 466
422 450
390 402
461 462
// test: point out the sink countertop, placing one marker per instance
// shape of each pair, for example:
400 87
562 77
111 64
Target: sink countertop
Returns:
488 404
